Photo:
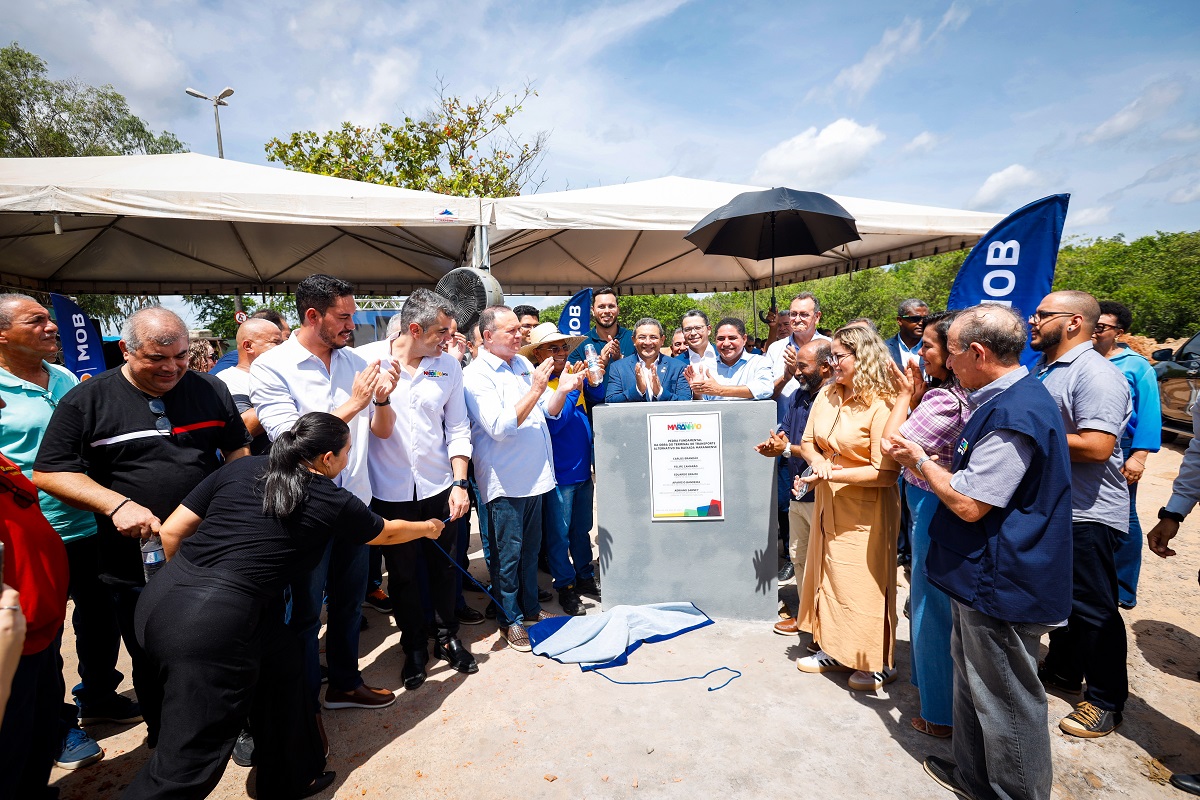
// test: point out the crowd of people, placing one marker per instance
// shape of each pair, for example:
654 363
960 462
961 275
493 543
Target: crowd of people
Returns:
205 514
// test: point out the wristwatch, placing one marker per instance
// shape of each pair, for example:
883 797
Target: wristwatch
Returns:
918 465
1175 515
462 484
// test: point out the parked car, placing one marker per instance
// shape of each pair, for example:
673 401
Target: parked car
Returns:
1178 387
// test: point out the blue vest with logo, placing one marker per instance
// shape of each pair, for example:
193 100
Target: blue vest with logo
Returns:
1014 563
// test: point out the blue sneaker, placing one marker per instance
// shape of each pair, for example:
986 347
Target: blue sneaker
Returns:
117 708
79 750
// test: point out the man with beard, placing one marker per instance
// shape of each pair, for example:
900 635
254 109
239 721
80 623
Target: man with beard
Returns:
1095 404
315 371
811 372
607 336
647 375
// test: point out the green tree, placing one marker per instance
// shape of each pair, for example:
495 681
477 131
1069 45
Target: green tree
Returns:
458 148
41 118
216 312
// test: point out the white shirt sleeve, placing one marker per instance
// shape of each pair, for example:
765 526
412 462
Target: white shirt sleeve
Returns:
272 400
458 426
485 404
760 381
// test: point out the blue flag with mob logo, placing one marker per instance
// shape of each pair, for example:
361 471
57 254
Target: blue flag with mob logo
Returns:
81 343
576 314
1014 263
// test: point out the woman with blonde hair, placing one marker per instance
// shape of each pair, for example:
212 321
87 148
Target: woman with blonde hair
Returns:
848 600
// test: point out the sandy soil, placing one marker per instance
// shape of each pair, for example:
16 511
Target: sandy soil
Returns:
529 727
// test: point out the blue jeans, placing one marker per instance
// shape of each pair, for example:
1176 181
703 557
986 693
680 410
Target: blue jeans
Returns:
932 668
485 541
515 531
342 575
567 526
1129 554
1001 741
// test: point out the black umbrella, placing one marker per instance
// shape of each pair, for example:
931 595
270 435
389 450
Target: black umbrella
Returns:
775 222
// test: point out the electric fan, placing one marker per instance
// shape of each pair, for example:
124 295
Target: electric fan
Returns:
470 290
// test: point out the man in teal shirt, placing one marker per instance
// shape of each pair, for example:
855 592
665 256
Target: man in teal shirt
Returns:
1142 436
31 388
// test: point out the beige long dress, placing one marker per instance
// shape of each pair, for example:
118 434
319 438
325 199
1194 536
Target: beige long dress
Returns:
848 600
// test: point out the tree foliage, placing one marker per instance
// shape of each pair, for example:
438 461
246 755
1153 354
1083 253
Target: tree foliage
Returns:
41 118
1158 277
458 148
216 312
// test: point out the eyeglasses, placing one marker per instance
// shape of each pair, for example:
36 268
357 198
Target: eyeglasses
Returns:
836 358
801 314
913 318
1042 316
695 329
1102 327
554 349
23 498
159 409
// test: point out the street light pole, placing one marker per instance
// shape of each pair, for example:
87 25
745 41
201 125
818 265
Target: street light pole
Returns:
217 101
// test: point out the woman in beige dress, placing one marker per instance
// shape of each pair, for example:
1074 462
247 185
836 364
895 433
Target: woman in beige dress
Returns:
848 600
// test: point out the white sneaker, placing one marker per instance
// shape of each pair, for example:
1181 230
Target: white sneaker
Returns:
820 662
871 681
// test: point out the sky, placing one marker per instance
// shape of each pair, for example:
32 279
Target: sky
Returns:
956 103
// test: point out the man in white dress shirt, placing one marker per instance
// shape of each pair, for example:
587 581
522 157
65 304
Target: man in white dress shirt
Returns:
738 375
315 371
514 461
420 472
700 352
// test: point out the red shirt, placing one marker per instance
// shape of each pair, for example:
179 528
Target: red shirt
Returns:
35 559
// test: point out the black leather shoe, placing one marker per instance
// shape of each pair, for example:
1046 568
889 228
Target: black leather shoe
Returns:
413 671
942 772
1186 783
490 611
243 749
570 603
460 657
589 586
544 596
787 573
319 784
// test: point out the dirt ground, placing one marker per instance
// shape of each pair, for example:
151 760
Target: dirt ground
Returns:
528 727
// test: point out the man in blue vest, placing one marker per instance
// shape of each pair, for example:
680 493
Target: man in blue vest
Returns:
1001 548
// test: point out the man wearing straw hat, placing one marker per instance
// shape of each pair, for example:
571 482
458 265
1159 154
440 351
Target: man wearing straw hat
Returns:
567 509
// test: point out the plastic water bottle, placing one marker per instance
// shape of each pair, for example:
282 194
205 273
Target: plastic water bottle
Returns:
593 364
153 556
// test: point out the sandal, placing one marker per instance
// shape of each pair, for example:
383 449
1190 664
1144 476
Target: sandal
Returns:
930 729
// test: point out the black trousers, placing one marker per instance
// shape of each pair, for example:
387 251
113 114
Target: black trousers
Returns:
97 632
221 654
31 734
1092 646
402 565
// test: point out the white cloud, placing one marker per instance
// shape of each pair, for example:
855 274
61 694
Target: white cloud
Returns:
1098 215
1186 194
818 159
1153 102
857 79
922 143
1001 186
894 46
1168 170
1184 134
953 19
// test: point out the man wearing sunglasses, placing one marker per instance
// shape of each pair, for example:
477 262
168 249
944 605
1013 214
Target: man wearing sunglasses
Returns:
1096 406
905 346
128 445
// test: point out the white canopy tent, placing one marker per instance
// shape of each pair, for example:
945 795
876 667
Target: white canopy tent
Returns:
631 236
193 224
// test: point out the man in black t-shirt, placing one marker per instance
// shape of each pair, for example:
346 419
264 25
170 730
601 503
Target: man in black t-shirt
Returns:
129 445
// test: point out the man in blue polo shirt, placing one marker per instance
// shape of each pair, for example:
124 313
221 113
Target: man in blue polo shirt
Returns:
1001 549
612 342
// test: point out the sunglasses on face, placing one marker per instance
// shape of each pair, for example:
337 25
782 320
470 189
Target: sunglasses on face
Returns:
913 318
159 409
1102 327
